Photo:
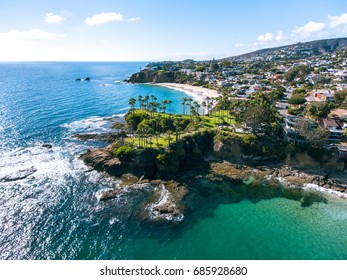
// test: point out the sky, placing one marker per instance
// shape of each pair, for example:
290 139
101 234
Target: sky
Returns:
157 30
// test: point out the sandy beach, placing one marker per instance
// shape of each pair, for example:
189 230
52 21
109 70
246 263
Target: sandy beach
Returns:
194 91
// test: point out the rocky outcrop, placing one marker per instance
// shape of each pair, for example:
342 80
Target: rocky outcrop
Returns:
48 146
150 76
167 203
330 160
143 163
285 175
162 203
185 154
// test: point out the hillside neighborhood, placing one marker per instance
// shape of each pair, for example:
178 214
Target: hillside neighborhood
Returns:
305 82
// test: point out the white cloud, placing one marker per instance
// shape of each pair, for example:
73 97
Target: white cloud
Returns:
280 37
310 30
34 34
134 19
51 18
103 18
265 38
338 20
238 45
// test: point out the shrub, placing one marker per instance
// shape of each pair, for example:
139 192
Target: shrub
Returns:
249 142
265 151
134 118
164 158
124 152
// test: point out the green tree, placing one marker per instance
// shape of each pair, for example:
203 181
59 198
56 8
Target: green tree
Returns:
297 72
315 136
318 110
297 99
261 116
341 97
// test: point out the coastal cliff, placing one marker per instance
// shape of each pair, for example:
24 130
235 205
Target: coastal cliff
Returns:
162 178
158 76
207 150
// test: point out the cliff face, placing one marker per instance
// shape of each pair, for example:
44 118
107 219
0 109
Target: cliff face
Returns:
150 76
183 155
159 76
201 149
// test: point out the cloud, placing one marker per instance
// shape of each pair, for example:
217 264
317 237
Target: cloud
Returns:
265 38
51 18
134 19
280 37
103 18
30 35
336 21
238 45
310 30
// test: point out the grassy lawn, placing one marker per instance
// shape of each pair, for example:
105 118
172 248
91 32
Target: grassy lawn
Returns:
208 122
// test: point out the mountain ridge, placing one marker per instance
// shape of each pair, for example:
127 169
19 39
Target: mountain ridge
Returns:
317 47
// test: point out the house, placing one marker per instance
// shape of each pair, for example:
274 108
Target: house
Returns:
341 75
342 151
341 86
336 132
322 95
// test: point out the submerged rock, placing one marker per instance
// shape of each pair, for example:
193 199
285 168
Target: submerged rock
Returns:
48 146
167 204
111 194
18 175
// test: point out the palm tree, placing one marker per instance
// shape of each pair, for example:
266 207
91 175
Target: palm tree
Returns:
169 103
132 102
145 100
139 99
163 109
183 102
204 105
190 104
208 105
196 106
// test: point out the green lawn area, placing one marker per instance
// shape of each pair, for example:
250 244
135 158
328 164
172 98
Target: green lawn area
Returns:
208 122
218 119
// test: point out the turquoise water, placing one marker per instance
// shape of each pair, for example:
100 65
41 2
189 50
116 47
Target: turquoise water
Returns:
55 214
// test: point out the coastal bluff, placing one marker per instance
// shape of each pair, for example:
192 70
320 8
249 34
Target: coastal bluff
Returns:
157 76
206 151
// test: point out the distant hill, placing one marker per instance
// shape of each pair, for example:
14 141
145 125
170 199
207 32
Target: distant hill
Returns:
300 50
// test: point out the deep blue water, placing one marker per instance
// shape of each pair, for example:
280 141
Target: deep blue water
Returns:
55 214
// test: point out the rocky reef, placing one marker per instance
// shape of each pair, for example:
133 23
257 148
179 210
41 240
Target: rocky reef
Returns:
157 200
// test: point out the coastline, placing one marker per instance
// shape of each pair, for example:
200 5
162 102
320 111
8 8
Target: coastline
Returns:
196 92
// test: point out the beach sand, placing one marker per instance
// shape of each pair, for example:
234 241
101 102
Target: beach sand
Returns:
195 91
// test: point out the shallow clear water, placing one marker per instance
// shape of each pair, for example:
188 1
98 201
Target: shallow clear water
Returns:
54 213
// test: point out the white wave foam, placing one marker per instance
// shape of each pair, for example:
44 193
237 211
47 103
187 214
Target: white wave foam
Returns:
52 163
92 124
325 190
164 199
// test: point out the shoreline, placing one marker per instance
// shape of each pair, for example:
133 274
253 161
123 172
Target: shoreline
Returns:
198 93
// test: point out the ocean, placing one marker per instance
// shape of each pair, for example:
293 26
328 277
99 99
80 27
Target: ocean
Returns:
49 207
